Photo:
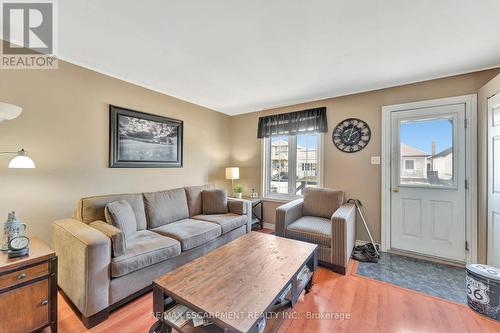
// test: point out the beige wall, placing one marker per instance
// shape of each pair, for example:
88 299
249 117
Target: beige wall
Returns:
64 126
488 90
350 172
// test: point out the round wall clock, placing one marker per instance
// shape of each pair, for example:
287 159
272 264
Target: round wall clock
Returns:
351 135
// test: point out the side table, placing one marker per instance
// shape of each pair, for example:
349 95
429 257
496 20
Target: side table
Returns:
257 206
28 290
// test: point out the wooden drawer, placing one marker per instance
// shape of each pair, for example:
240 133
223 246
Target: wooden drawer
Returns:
22 275
25 309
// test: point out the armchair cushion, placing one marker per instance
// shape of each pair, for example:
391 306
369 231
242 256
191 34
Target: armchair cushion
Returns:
121 215
214 202
227 222
311 229
322 202
191 233
118 239
145 248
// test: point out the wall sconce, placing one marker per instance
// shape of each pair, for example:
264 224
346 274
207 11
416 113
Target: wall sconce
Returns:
20 161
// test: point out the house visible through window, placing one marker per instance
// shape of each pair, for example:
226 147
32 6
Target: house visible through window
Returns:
409 164
292 163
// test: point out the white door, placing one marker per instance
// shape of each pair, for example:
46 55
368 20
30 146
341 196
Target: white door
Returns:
494 181
428 181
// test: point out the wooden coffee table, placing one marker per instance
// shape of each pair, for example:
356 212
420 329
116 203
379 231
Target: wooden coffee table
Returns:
239 286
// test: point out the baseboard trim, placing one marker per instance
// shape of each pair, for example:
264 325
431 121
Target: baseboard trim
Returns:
336 268
362 242
269 226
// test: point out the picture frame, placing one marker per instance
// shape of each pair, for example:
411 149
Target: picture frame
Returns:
143 140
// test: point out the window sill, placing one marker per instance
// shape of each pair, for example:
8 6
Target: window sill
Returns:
280 199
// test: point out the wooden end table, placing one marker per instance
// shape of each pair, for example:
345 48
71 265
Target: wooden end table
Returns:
28 290
237 285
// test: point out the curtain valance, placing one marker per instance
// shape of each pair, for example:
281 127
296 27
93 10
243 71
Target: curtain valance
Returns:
293 123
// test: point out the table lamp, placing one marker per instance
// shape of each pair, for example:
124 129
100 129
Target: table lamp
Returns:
232 173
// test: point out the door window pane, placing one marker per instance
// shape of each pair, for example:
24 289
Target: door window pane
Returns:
426 152
279 165
307 161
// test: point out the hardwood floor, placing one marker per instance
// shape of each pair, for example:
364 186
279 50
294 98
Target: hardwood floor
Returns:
371 306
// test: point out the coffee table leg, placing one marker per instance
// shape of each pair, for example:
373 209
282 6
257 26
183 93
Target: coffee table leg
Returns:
294 292
159 308
158 300
160 327
313 265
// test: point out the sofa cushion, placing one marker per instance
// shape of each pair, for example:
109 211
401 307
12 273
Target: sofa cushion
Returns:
165 207
322 202
194 198
311 229
121 215
144 249
214 202
91 209
227 222
191 233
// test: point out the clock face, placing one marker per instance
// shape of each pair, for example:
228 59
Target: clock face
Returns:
351 135
19 243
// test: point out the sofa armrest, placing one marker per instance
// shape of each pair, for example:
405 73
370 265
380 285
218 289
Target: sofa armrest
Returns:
286 214
84 256
118 239
343 234
241 207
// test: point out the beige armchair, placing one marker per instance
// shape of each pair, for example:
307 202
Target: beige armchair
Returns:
322 217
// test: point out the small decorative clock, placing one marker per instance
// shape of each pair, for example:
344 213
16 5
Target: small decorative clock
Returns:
351 135
18 246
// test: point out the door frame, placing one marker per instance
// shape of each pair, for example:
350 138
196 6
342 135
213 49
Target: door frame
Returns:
489 180
470 102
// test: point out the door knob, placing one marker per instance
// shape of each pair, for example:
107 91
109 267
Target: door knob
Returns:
45 302
395 189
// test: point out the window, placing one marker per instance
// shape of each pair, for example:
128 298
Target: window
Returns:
291 163
409 164
427 151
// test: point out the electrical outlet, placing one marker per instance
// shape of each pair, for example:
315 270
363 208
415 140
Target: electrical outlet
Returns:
375 159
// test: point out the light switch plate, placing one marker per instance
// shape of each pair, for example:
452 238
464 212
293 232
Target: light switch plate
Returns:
375 159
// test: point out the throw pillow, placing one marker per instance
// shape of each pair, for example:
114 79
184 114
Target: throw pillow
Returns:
214 202
121 215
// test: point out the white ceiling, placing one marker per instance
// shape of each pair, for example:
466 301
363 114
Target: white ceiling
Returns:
238 56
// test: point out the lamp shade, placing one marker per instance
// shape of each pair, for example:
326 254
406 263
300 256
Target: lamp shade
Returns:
233 173
21 161
9 111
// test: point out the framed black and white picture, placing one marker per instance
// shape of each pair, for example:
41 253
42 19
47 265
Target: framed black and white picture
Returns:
143 140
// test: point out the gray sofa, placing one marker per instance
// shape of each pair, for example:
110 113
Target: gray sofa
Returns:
324 218
98 274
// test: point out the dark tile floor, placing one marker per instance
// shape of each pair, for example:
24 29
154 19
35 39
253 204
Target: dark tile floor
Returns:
435 279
